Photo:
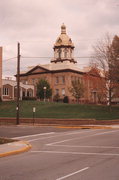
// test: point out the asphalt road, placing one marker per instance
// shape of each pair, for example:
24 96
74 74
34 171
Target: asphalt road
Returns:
59 154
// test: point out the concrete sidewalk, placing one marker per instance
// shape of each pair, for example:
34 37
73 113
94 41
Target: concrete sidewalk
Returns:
14 148
89 126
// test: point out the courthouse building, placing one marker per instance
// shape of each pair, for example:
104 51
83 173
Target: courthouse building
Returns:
62 70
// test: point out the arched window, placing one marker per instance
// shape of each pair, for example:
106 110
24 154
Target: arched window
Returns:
5 91
71 53
65 53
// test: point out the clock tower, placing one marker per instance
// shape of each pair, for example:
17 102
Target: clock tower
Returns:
63 48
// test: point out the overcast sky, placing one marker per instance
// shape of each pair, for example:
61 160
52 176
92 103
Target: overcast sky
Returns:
36 25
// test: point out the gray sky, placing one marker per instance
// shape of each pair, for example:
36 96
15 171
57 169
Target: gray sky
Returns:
36 25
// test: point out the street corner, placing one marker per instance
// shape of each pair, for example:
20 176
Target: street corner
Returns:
14 148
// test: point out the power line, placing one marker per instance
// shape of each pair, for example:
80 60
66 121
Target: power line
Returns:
52 57
43 57
35 57
9 59
85 57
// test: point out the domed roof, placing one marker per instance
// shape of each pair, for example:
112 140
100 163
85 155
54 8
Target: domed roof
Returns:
63 39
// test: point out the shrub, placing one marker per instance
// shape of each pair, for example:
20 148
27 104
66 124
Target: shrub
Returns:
66 99
28 98
0 99
56 98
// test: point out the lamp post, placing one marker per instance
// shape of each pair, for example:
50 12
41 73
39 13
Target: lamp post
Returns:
44 88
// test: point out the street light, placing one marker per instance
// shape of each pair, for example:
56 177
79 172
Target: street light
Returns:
44 88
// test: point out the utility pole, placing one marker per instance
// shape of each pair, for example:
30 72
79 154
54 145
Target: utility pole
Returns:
18 83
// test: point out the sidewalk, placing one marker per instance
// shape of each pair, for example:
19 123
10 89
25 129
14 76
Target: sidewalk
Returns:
89 126
14 148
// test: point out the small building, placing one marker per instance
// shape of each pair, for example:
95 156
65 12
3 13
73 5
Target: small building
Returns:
9 90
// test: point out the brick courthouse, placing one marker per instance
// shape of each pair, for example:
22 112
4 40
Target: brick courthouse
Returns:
62 70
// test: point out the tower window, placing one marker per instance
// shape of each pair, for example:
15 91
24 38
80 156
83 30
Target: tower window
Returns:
65 53
70 53
60 51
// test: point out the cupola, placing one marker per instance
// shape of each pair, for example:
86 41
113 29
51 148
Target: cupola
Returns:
63 48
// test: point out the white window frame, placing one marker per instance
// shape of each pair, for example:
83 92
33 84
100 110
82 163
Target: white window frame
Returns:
5 91
63 92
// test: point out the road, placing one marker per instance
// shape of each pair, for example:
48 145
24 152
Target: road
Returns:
57 154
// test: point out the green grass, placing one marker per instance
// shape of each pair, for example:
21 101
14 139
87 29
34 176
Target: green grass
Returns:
58 110
5 140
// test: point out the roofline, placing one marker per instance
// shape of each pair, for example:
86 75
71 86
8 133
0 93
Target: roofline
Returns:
36 68
27 73
66 46
61 60
53 71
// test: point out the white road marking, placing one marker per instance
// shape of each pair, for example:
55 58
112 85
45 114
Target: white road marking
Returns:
101 147
71 174
76 153
107 132
97 134
33 135
59 135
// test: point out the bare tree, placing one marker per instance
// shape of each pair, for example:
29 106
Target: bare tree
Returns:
106 58
77 89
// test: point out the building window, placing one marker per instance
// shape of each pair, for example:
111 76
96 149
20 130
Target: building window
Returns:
79 79
57 80
63 92
63 79
72 78
30 93
27 93
25 82
57 91
5 91
23 93
33 81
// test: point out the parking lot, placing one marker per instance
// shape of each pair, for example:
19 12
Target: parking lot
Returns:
56 154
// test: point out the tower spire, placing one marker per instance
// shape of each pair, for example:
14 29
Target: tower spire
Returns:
63 29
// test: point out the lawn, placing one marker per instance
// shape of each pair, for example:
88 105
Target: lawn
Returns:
58 110
5 140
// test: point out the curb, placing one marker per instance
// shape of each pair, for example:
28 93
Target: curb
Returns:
74 126
21 150
85 127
